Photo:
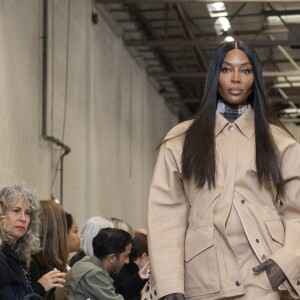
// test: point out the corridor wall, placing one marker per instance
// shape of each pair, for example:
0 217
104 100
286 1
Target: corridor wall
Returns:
100 103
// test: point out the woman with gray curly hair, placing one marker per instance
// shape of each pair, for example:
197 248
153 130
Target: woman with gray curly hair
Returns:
20 239
2 225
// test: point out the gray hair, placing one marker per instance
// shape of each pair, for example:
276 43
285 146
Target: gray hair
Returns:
3 228
30 242
89 230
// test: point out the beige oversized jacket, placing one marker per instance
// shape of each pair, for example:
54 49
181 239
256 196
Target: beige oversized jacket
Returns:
189 249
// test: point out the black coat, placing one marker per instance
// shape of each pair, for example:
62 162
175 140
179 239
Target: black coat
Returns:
76 257
13 283
128 282
36 272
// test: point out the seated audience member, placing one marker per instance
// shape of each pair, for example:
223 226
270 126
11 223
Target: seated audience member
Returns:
138 263
131 284
89 230
121 224
141 230
89 278
20 240
54 254
91 227
2 226
73 236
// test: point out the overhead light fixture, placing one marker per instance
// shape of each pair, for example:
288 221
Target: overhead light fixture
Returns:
222 25
229 38
217 9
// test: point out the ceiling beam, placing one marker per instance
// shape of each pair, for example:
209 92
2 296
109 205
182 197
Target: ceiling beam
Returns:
262 13
162 75
185 21
205 44
181 1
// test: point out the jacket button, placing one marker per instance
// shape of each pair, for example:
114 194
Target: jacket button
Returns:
298 282
237 283
257 240
230 128
243 201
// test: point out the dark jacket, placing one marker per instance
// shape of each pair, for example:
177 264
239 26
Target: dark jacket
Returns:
13 283
128 282
76 257
36 272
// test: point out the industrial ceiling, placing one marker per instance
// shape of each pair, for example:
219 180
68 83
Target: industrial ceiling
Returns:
174 40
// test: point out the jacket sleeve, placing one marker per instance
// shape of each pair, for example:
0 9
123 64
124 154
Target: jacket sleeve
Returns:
288 257
36 274
38 288
96 286
10 286
168 211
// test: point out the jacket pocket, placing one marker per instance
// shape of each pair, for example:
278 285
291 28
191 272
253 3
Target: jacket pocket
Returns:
201 268
276 231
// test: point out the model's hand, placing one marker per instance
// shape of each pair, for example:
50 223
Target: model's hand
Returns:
175 296
52 279
144 271
274 273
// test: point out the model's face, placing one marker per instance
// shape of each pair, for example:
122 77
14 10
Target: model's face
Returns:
18 219
236 78
122 259
73 238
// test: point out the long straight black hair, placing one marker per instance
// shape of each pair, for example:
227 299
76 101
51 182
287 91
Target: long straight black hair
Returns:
198 156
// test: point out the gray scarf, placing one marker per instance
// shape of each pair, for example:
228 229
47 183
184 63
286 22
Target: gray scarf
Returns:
231 112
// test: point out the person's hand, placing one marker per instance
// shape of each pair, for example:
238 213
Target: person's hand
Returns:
175 296
144 290
52 279
144 271
274 273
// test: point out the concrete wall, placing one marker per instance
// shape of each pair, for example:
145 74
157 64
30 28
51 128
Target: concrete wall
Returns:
100 103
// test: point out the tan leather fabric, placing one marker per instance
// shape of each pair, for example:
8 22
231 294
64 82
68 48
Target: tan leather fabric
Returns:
193 246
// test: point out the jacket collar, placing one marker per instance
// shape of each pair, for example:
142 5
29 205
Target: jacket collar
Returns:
8 251
245 123
99 263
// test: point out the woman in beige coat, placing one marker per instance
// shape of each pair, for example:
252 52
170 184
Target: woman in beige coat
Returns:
224 202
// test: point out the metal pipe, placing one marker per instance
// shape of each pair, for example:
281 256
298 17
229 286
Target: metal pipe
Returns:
45 136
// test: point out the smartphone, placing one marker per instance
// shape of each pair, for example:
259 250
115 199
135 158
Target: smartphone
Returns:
149 282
